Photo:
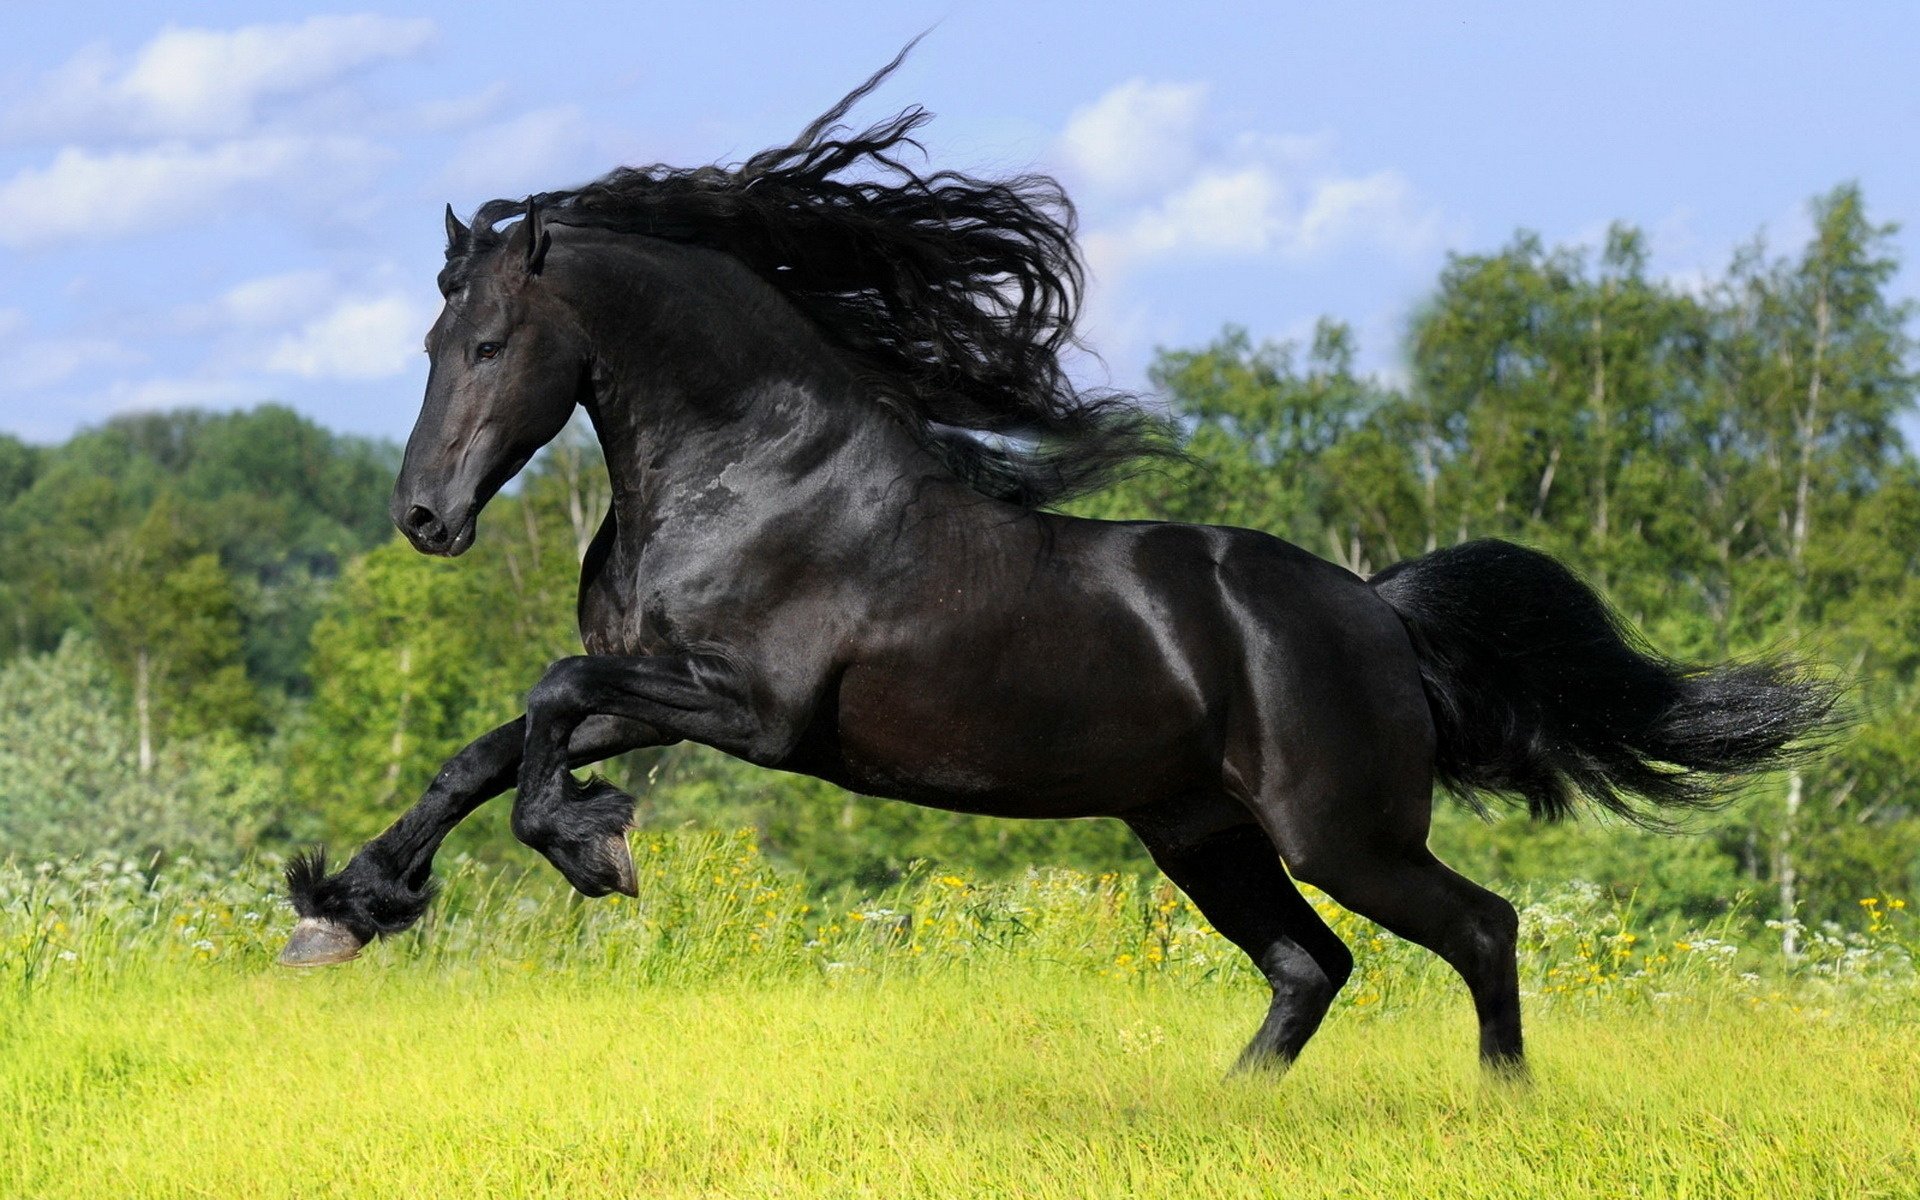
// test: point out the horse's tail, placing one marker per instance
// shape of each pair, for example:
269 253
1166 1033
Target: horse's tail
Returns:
1538 689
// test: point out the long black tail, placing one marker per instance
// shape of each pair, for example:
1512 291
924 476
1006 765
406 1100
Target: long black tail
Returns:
1540 690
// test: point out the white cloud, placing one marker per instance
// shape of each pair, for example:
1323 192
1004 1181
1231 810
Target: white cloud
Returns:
85 195
458 112
1175 190
373 337
1380 208
142 394
1291 152
208 83
1252 211
1136 136
276 299
262 306
535 151
1233 212
34 364
53 415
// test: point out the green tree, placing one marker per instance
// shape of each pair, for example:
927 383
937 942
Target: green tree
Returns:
71 783
281 501
1814 356
169 619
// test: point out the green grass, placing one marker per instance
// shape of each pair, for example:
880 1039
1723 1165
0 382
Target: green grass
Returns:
1058 1036
366 1081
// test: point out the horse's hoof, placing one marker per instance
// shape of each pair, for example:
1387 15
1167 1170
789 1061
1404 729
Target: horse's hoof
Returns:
1262 1064
318 942
597 865
626 880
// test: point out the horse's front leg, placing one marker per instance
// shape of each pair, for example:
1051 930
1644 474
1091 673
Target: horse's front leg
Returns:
386 887
581 828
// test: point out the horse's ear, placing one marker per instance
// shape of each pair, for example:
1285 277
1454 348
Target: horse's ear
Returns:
530 240
538 239
459 237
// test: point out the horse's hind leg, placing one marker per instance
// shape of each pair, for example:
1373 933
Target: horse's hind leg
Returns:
1416 896
1235 878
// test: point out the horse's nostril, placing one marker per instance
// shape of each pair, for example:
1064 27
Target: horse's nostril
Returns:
419 519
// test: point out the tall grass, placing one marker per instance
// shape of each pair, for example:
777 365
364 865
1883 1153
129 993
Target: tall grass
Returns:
1057 1035
712 908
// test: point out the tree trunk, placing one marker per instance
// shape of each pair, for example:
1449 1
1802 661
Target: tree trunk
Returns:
1784 867
396 749
1430 487
1546 483
587 500
1603 437
143 708
1808 431
1784 870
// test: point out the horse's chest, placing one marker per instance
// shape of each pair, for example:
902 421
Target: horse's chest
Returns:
616 617
613 623
632 607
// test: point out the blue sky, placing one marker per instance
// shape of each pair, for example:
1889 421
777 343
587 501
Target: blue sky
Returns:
220 204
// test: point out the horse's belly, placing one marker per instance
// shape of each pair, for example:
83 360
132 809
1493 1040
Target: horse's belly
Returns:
1042 750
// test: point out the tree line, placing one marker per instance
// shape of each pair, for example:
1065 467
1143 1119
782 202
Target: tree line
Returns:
1724 457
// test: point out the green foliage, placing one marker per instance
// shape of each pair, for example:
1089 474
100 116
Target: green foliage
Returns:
67 769
19 463
281 502
168 616
70 782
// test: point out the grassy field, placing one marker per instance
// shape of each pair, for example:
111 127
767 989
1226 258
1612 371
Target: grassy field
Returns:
1060 1036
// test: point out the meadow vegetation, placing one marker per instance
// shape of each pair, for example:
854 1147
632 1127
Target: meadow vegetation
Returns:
1054 1034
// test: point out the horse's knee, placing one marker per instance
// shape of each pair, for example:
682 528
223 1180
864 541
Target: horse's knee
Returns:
1335 962
1319 867
556 692
534 823
1310 977
1496 925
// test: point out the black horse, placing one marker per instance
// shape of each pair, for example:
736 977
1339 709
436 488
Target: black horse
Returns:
830 394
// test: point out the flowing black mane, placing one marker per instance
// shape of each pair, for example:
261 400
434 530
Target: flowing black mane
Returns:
953 297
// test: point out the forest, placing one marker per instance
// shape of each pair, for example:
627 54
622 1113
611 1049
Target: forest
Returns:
213 646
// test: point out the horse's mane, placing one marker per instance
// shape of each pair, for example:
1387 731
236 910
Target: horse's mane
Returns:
953 297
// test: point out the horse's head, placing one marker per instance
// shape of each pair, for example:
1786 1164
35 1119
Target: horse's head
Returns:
509 363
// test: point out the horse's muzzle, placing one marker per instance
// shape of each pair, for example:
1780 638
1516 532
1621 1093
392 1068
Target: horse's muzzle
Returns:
429 534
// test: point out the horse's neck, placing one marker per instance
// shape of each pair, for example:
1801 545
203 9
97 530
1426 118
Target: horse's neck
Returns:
724 406
760 452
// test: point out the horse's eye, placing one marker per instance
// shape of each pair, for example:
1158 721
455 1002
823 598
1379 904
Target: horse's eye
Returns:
487 349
